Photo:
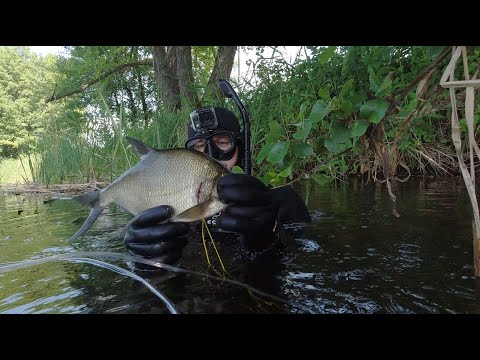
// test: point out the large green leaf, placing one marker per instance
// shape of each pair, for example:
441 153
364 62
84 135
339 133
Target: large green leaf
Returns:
264 152
340 133
373 79
356 100
324 93
374 110
303 132
334 146
360 127
278 152
286 172
303 150
347 107
385 87
319 110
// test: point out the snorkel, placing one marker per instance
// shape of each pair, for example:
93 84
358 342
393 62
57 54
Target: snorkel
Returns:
230 93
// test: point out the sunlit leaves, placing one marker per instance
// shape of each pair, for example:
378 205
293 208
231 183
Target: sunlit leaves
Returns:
326 54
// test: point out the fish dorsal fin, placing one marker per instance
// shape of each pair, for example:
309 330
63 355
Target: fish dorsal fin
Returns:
142 149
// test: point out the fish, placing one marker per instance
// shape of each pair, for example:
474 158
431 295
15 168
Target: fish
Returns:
182 178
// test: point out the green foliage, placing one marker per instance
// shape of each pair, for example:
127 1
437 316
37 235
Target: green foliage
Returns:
311 118
16 171
26 80
319 108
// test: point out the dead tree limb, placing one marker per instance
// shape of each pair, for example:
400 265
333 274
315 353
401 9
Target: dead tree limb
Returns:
89 83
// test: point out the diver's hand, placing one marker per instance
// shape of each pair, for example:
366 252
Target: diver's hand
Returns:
252 212
147 238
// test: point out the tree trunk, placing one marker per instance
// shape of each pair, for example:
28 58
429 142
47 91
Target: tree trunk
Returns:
131 102
185 77
165 65
221 70
142 98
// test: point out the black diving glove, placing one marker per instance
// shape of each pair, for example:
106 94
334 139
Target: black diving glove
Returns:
252 212
147 238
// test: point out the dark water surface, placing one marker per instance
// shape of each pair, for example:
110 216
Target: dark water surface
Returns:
355 257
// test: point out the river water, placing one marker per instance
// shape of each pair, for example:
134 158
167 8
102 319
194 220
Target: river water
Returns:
354 257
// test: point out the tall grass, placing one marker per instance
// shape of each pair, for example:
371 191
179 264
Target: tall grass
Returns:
17 171
102 153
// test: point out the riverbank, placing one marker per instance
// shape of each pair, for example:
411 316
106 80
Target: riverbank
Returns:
51 190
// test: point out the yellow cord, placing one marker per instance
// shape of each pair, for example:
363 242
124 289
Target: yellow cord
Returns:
205 244
204 224
215 247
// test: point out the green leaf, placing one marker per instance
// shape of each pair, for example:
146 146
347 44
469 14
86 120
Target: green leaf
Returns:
347 86
347 107
319 110
374 110
286 172
373 79
276 132
303 150
356 100
385 87
275 127
340 133
237 170
324 93
303 133
326 54
304 106
322 179
359 128
335 146
264 152
278 152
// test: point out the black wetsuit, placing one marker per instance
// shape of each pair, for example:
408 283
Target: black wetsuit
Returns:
291 209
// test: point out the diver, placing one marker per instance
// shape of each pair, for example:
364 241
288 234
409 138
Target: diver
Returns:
257 213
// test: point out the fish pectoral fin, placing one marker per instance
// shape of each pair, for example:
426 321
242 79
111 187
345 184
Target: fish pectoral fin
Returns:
195 213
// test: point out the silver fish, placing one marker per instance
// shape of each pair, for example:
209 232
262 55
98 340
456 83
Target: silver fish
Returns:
184 179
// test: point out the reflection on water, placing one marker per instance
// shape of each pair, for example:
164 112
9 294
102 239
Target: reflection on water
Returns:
355 257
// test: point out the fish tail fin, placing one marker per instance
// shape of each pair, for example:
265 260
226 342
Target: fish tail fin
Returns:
90 198
94 214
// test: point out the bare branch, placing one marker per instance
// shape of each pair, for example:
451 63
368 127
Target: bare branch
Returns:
89 83
393 105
